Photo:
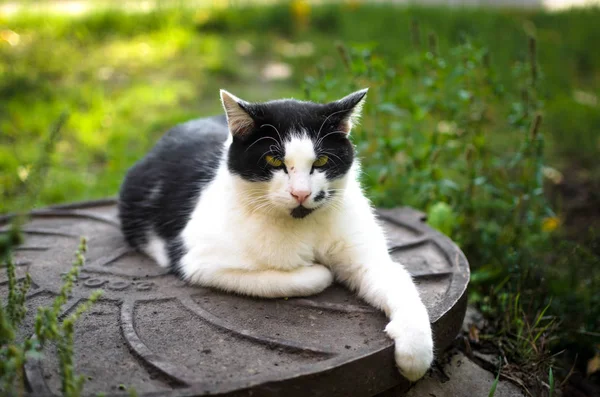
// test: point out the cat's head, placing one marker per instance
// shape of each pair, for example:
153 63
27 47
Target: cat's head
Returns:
291 157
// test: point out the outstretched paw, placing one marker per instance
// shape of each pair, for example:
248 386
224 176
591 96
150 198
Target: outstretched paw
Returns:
413 347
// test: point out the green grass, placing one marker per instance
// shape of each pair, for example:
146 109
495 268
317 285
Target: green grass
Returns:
126 78
122 90
494 386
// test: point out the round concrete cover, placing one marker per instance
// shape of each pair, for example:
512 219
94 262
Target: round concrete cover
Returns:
152 332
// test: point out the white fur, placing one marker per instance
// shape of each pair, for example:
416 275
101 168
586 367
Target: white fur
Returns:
241 238
155 248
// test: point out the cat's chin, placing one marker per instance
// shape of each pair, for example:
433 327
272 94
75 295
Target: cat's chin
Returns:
301 212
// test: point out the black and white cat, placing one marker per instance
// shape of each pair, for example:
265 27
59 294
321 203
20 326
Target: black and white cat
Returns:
266 202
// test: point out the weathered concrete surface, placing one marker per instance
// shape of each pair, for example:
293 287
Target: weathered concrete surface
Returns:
461 377
163 337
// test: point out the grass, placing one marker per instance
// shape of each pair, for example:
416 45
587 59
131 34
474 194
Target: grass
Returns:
494 386
125 79
471 116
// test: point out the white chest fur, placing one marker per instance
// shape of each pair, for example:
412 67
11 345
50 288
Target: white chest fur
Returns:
237 251
224 231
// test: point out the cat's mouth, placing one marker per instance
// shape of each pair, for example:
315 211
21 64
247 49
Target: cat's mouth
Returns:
300 212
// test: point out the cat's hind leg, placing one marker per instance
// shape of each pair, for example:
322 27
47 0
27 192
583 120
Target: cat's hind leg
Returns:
267 283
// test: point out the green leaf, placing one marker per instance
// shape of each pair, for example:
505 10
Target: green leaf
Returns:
441 217
551 382
494 385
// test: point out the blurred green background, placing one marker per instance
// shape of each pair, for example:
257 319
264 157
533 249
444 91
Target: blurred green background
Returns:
125 78
125 75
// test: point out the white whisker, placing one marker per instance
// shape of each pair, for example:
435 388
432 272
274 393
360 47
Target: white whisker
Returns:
318 144
332 154
260 139
276 130
327 118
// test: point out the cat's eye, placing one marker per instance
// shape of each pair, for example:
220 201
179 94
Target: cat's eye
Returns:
273 161
321 161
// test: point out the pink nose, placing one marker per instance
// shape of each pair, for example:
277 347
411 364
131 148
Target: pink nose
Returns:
300 195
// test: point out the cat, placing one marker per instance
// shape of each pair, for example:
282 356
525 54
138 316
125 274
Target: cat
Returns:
265 201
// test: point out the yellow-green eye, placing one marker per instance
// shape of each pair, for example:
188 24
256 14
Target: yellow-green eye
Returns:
273 161
321 161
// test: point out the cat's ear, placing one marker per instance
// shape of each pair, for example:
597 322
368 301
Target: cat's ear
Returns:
350 109
239 120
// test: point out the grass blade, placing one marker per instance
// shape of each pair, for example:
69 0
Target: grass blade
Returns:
551 382
494 385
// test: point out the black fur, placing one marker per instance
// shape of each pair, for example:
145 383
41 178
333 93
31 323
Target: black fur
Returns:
277 120
160 192
301 212
183 161
320 196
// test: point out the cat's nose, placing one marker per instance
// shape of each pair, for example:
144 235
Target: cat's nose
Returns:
300 195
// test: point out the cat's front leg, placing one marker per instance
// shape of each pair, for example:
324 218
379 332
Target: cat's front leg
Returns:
368 269
264 283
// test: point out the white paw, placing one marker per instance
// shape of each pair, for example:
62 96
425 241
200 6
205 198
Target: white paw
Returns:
413 346
314 279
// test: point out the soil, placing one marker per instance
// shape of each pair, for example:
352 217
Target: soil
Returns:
578 199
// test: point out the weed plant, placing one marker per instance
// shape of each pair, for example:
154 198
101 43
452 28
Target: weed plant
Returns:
52 326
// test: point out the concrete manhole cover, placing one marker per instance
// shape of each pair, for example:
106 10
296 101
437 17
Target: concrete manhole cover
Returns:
156 334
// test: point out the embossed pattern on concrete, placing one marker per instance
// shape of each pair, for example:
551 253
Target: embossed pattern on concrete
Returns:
155 333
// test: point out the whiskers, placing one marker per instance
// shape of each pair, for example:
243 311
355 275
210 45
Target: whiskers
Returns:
320 140
327 152
276 148
256 200
276 130
327 118
278 145
319 148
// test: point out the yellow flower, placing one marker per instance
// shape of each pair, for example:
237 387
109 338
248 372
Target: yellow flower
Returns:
23 172
201 17
352 4
301 12
10 37
550 224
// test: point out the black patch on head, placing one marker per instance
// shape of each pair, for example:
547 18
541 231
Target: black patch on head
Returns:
320 196
301 212
275 123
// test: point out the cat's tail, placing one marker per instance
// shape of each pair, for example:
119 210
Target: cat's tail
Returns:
156 248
